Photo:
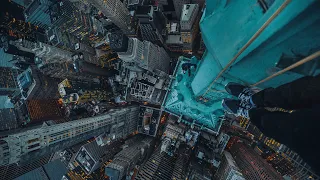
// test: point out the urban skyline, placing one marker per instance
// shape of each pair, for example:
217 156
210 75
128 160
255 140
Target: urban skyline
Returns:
129 89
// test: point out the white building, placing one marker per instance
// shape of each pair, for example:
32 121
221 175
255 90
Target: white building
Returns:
29 144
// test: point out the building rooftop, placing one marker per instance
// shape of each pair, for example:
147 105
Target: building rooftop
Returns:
55 170
187 11
182 101
37 174
51 171
85 159
174 39
149 119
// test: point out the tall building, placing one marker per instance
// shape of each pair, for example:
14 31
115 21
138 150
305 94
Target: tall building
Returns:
13 23
174 41
189 24
281 164
178 6
251 164
149 119
85 48
141 55
124 162
68 18
46 52
9 49
37 13
302 169
159 166
8 81
147 87
91 156
163 166
228 169
8 119
73 86
77 70
32 144
224 39
285 160
152 24
117 12
64 70
171 158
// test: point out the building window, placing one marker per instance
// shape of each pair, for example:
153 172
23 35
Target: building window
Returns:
6 154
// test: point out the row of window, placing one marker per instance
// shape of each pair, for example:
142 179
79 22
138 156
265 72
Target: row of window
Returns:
78 130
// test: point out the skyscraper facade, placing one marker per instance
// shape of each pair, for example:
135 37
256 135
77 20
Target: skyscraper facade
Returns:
124 162
251 164
228 169
163 166
178 5
117 12
91 155
8 81
189 25
8 119
32 144
152 24
142 54
47 53
38 13
281 164
68 18
63 71
302 169
13 23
